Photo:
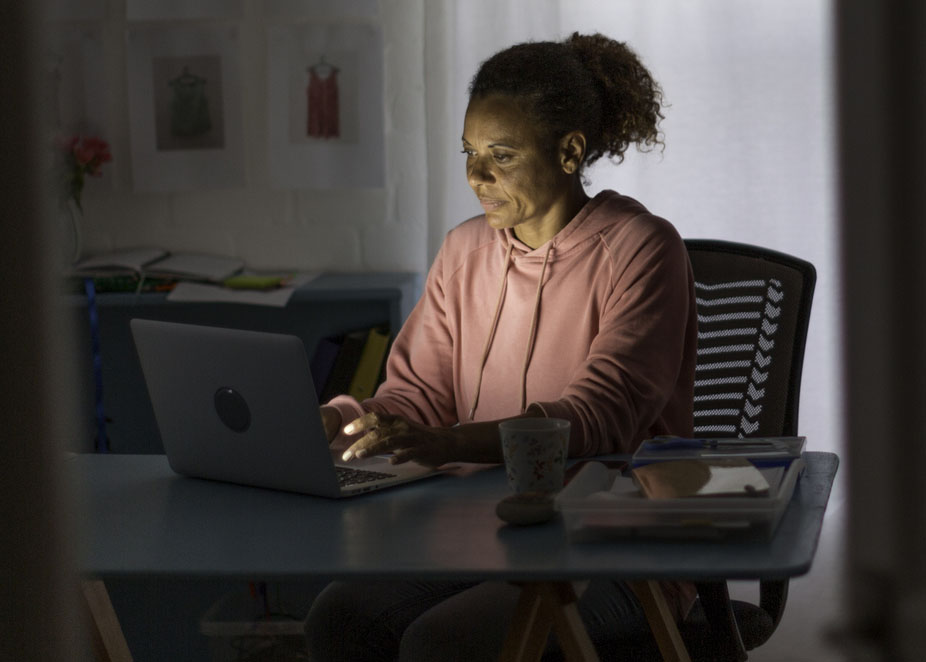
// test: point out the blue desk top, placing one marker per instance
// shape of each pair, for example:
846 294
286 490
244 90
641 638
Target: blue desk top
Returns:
141 519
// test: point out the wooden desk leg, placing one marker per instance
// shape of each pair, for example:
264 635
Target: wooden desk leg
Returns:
108 640
540 606
530 626
661 621
568 625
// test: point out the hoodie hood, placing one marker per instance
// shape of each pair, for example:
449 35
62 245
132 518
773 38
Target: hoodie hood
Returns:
584 226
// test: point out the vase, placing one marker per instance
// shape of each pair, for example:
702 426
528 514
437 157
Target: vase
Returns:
72 217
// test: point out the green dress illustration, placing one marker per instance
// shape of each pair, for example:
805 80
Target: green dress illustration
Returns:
189 107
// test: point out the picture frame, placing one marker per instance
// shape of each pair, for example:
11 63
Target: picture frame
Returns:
325 106
184 87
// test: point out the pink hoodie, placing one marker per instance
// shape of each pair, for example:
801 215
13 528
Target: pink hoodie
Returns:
597 326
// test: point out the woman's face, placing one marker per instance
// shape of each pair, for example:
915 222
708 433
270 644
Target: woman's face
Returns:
513 169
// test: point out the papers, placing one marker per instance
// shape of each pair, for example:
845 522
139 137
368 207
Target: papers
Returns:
698 478
205 293
212 268
199 277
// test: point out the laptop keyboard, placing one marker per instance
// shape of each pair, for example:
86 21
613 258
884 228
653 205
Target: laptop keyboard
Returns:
348 476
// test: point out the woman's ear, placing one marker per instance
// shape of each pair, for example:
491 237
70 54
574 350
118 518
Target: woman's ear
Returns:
572 151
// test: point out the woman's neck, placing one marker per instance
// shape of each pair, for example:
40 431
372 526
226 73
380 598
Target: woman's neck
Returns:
561 213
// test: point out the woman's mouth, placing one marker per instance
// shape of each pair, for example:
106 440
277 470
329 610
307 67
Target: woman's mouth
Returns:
489 204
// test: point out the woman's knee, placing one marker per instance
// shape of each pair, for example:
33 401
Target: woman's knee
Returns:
364 621
468 627
327 620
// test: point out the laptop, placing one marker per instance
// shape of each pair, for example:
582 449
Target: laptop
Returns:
240 406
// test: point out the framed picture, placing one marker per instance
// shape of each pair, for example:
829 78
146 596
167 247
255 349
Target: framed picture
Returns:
325 106
185 108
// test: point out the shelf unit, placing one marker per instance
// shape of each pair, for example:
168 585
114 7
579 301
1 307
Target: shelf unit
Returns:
330 304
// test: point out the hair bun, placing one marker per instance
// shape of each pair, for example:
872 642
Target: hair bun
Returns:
589 83
631 98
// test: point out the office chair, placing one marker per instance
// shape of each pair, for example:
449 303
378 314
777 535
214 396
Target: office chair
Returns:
753 312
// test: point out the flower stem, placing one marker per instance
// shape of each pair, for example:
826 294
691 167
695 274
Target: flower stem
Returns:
73 213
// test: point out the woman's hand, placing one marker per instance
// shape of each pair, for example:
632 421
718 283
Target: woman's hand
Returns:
405 440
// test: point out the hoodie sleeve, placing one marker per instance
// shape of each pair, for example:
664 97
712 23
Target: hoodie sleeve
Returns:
638 377
419 379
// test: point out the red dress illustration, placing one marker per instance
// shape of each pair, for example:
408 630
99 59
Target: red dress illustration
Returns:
323 102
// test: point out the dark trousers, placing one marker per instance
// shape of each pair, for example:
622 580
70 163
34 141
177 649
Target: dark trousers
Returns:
411 621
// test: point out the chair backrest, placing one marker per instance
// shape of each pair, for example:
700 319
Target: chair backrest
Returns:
753 311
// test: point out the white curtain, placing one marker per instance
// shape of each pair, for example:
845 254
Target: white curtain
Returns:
748 132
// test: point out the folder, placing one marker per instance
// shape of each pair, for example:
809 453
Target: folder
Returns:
369 367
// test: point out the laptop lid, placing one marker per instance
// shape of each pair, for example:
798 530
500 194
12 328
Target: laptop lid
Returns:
240 406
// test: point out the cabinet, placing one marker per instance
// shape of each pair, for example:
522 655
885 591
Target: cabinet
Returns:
330 304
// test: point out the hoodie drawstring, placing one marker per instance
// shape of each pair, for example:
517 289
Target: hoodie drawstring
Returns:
533 331
488 343
531 336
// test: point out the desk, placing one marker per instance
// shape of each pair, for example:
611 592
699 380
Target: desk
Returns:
142 520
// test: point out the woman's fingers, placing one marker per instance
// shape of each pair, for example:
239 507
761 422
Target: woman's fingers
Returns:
403 455
406 441
365 422
383 433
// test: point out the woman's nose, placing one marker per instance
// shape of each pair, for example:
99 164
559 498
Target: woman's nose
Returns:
478 172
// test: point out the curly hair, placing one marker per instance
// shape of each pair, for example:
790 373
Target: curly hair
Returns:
589 83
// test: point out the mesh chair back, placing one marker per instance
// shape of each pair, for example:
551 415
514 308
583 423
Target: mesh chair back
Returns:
753 312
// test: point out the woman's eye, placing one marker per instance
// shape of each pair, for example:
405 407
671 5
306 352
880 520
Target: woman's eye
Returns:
498 158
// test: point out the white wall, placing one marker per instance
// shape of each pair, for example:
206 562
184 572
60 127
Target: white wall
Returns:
342 229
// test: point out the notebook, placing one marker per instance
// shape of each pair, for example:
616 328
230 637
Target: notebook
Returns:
240 406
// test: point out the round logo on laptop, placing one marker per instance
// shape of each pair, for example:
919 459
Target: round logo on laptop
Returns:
232 409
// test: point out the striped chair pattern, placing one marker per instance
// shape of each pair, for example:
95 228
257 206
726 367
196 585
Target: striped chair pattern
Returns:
736 341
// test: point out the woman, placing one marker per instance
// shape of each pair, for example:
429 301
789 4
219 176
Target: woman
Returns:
551 303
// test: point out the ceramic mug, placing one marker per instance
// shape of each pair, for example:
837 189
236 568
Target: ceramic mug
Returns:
535 451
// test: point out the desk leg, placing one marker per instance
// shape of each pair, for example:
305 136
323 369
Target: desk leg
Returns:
540 606
661 621
569 628
109 642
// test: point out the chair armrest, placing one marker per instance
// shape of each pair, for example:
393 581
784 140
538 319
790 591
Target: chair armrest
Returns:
725 635
772 598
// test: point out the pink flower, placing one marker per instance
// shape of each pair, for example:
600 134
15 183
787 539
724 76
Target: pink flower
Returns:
91 153
83 155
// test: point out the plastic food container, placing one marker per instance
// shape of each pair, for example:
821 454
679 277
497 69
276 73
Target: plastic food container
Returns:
601 503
